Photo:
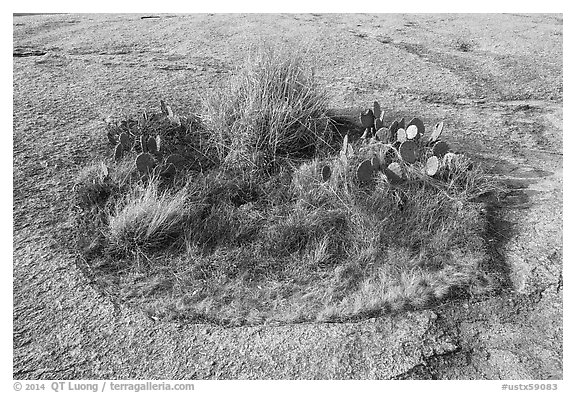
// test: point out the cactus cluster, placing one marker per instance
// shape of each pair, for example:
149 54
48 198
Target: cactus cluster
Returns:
149 163
391 150
150 159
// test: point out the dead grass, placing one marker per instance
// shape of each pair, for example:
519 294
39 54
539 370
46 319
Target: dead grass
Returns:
272 107
230 243
148 219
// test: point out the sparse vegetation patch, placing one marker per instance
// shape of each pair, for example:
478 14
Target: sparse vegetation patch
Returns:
247 213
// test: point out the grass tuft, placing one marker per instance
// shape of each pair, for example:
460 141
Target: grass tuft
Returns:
147 219
272 107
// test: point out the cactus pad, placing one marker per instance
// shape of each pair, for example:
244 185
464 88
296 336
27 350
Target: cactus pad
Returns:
143 143
326 173
382 135
436 132
401 135
419 125
125 140
377 110
145 163
169 170
364 171
432 166
378 123
392 130
151 145
367 118
440 148
158 144
394 173
402 123
412 132
408 150
118 152
175 159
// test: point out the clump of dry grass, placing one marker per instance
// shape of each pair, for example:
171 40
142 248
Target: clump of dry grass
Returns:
147 219
272 107
96 193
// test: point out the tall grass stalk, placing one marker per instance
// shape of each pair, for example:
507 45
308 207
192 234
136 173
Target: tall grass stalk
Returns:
272 107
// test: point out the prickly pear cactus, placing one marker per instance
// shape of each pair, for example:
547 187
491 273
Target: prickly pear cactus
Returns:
392 131
419 126
168 171
175 159
125 140
367 118
382 134
408 151
118 152
143 143
401 135
364 172
402 123
440 148
400 144
411 132
145 163
326 173
151 145
436 132
394 173
432 166
377 110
